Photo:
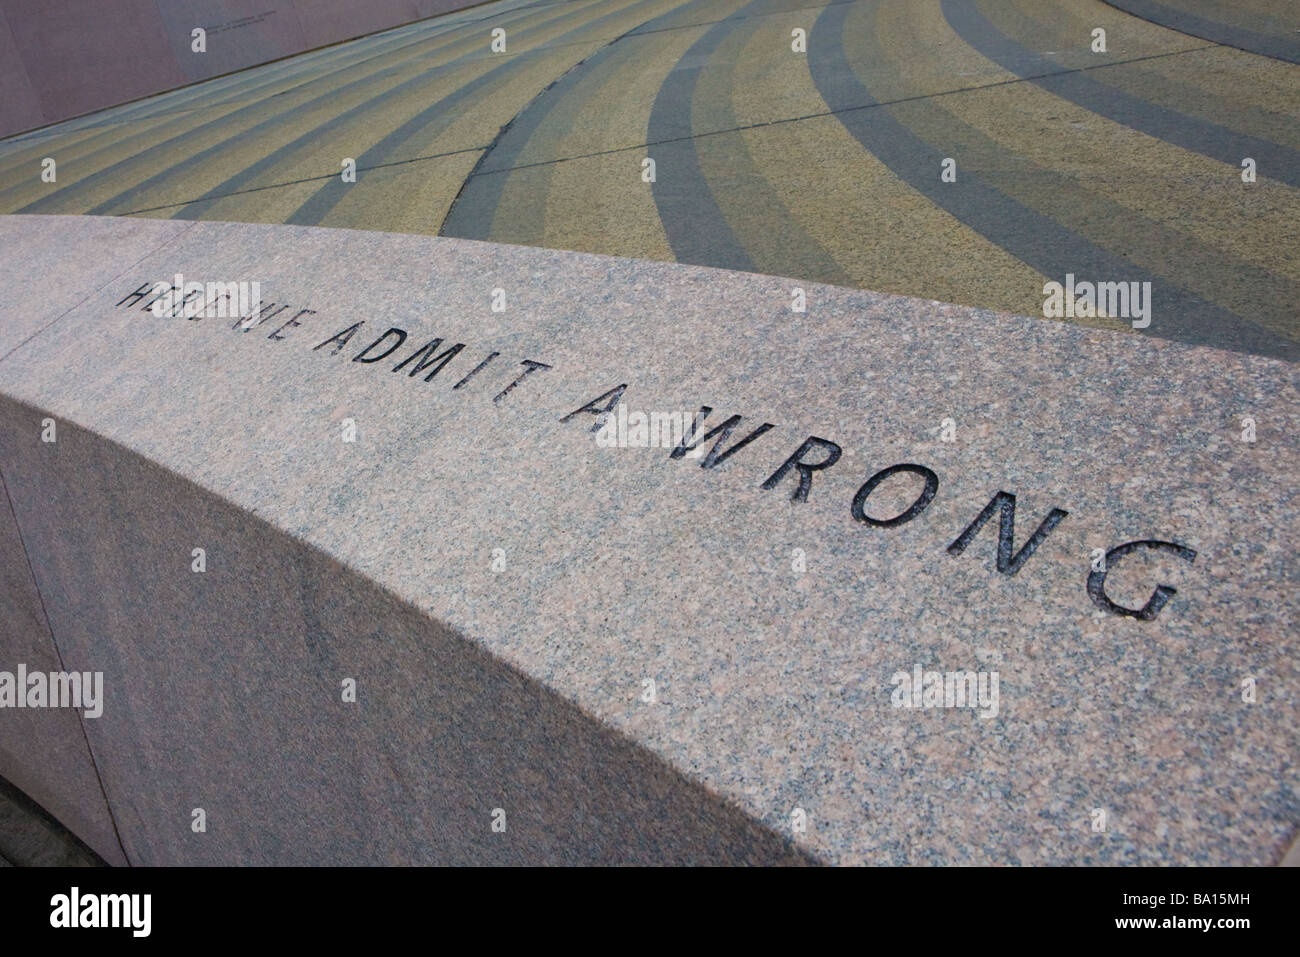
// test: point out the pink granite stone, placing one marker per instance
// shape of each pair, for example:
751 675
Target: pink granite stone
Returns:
505 587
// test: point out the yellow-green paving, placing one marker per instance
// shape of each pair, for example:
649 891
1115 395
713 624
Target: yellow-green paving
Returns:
969 151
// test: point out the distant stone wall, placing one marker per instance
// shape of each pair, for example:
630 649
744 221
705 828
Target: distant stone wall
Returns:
63 58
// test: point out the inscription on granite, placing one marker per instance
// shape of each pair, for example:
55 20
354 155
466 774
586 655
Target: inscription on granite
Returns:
796 472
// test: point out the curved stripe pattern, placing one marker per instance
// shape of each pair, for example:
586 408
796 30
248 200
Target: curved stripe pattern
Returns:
250 174
1282 42
311 212
1050 247
138 191
474 209
822 165
696 227
1189 132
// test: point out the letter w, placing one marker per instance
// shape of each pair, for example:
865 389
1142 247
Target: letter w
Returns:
723 431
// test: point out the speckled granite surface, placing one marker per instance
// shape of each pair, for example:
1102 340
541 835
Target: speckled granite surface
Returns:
42 753
44 273
549 578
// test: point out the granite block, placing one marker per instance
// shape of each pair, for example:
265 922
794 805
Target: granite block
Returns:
240 712
44 753
727 627
77 256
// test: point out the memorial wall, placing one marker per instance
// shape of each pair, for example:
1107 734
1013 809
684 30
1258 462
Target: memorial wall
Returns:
410 564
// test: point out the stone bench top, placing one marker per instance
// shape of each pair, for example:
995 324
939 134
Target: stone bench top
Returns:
488 432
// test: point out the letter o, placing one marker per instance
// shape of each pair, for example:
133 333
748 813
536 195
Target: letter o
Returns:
922 501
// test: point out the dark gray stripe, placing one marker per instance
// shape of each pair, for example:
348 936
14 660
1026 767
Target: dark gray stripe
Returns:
328 196
472 212
1189 132
1279 47
693 222
303 215
1023 232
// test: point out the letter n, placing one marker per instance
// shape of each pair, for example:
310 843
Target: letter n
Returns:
1005 502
